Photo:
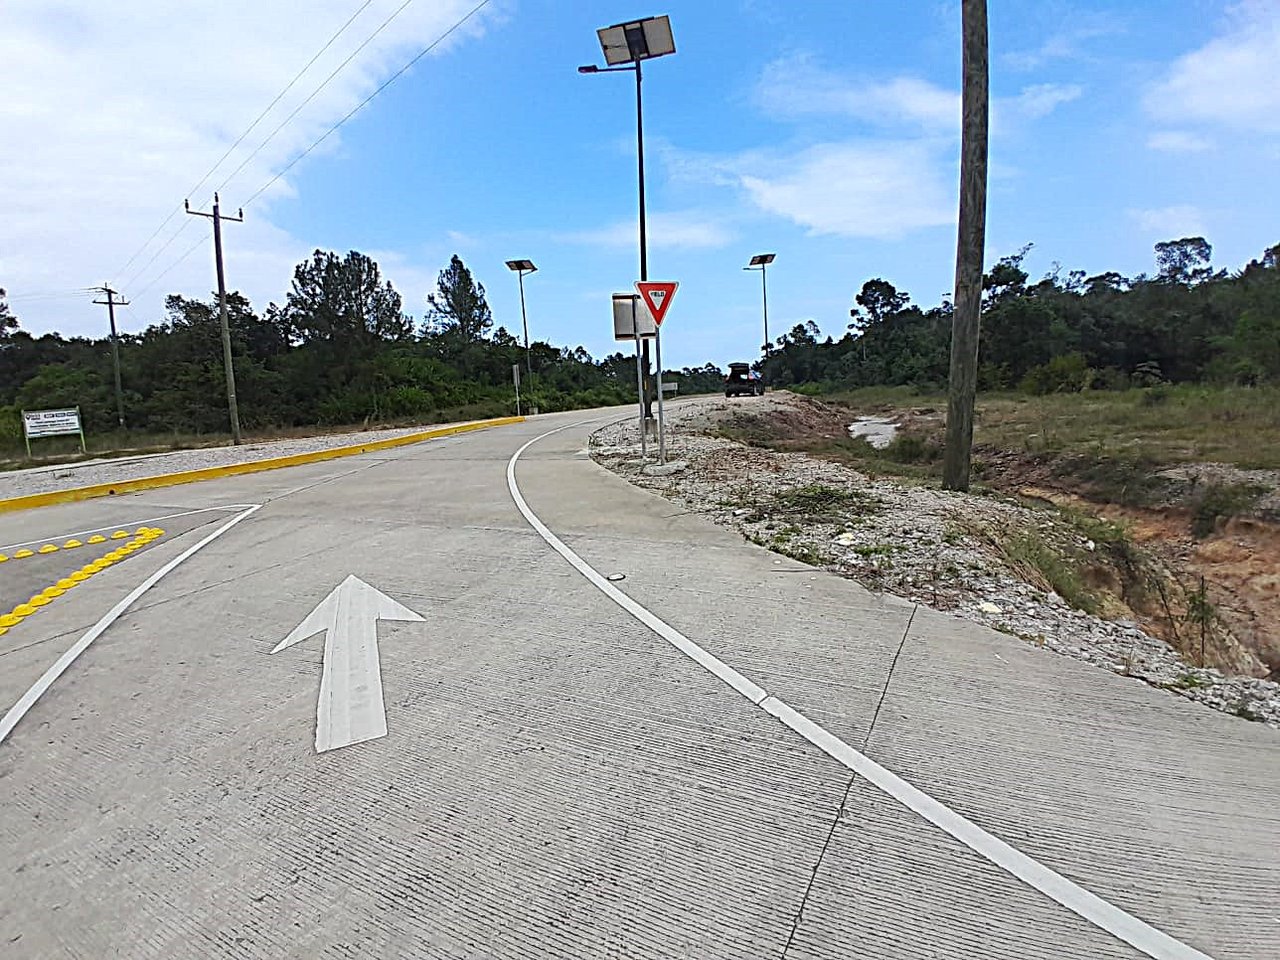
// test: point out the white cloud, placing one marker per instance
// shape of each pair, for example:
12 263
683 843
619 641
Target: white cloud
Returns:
1178 141
855 189
1042 99
673 231
112 111
1068 42
1233 80
1170 222
794 87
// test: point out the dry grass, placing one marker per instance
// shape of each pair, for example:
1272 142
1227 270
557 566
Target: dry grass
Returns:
1160 425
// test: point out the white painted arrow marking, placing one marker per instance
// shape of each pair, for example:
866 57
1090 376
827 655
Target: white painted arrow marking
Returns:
350 708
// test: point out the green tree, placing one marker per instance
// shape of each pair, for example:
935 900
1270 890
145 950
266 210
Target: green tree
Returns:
344 301
458 308
880 299
1184 261
8 322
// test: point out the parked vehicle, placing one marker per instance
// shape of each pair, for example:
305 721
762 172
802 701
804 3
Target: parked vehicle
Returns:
742 380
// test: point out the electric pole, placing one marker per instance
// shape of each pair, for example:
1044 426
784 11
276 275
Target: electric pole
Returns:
970 243
110 303
217 219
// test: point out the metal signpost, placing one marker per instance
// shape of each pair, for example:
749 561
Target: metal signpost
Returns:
51 423
632 321
657 296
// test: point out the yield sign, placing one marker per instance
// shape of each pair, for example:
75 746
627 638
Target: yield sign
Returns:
658 295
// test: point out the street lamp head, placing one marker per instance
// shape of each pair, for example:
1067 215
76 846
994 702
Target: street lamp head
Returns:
761 259
589 68
637 40
521 266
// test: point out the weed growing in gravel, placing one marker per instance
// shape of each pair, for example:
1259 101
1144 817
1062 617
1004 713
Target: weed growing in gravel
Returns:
1034 559
820 503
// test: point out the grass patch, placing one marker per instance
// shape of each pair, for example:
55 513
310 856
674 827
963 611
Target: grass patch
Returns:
1032 558
1221 501
1165 425
821 503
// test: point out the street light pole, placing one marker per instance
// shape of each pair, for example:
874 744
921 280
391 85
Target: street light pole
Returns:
761 262
625 46
521 267
764 293
524 322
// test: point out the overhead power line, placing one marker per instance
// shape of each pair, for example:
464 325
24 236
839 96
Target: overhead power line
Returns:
164 273
324 83
319 140
249 129
363 103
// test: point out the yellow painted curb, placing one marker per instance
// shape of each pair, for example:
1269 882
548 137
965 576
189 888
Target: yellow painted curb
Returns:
239 469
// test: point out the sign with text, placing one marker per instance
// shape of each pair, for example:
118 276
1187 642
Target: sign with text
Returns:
657 295
50 423
628 308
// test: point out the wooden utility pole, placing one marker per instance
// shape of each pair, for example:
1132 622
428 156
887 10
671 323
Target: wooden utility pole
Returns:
217 219
111 303
970 244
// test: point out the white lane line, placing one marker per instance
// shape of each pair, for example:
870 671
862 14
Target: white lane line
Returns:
38 689
1101 913
132 523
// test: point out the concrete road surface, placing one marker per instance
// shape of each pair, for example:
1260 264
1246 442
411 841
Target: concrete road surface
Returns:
435 702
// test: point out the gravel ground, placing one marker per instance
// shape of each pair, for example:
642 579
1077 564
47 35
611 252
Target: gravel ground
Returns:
923 544
21 483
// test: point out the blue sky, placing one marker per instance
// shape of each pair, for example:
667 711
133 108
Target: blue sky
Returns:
826 132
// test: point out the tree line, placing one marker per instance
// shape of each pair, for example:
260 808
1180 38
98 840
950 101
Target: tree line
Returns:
1066 332
339 351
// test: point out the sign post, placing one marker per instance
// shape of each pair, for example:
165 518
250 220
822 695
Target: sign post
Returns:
632 321
515 375
658 295
51 423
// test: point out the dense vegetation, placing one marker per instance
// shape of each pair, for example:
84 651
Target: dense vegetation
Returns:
339 351
1186 324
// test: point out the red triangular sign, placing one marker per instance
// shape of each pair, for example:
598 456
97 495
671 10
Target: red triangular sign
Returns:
658 295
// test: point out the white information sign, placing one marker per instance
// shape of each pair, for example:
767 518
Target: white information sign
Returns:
50 423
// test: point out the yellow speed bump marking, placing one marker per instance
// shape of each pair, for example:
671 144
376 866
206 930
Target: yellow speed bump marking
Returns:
72 544
3 558
24 552
55 590
48 548
120 535
97 538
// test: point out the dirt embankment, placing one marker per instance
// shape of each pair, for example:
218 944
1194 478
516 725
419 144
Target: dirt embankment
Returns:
1209 533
